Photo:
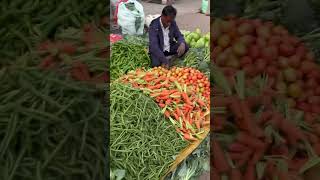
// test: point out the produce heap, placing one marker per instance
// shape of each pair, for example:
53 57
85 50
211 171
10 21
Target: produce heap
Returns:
127 55
142 141
182 93
45 131
52 67
176 98
265 125
196 39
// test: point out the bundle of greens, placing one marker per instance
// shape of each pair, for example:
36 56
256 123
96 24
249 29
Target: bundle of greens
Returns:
45 131
142 142
126 56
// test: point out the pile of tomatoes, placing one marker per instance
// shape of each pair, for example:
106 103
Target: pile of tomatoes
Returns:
257 48
190 77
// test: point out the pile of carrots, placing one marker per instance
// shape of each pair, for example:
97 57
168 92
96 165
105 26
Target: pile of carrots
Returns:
78 50
258 47
258 137
185 101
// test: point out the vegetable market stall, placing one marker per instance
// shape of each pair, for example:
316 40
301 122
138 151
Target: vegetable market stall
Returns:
171 93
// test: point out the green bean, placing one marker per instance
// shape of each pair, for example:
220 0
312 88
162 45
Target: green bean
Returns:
59 146
17 162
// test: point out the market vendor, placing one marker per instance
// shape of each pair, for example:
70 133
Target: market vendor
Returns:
165 38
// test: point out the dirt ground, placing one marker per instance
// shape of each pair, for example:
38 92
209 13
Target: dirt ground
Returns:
188 17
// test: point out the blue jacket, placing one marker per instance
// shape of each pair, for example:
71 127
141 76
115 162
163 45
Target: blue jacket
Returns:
156 38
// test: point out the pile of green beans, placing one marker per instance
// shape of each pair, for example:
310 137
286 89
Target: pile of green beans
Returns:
127 56
25 22
142 141
50 127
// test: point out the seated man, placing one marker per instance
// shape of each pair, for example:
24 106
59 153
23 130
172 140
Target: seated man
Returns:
165 38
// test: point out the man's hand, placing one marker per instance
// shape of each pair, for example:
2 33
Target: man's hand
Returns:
181 49
166 66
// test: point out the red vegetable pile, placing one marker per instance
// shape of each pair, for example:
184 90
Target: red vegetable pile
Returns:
83 53
256 135
258 47
182 93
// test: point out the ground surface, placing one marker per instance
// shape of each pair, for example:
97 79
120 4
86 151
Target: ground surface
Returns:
188 17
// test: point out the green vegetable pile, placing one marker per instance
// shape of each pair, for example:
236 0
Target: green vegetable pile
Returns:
142 142
127 55
50 127
196 39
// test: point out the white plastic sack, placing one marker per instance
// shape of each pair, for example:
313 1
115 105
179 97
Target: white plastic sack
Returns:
127 18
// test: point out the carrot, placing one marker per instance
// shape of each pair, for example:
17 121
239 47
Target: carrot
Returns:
188 106
250 173
175 116
188 136
219 159
201 103
186 98
293 132
236 155
312 138
280 150
257 156
236 174
168 101
167 114
316 129
235 108
178 111
247 119
237 147
248 140
197 123
316 148
309 118
148 79
241 162
164 97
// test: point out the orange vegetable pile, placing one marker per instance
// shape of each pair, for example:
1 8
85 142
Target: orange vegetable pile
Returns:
185 100
256 139
262 47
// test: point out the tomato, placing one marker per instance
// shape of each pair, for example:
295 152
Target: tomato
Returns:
274 40
310 56
239 49
283 62
261 65
286 49
254 51
294 61
224 41
245 28
269 53
263 32
247 39
245 60
307 66
262 43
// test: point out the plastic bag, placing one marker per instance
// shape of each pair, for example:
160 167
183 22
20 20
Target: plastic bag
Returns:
131 17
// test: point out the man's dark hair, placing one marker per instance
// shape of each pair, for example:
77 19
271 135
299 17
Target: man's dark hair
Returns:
169 11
